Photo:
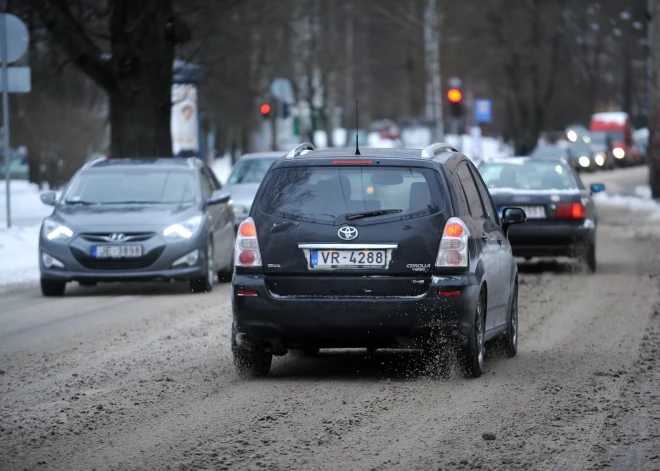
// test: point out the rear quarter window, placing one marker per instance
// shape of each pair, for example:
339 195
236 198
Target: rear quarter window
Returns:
327 195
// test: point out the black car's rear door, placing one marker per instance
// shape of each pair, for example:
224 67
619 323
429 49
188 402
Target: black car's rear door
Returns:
350 230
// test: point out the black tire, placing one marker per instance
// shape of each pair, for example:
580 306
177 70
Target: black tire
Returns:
52 288
588 257
205 284
249 363
87 283
511 334
225 275
475 351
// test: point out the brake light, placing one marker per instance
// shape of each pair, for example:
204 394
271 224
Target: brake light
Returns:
248 230
453 250
247 252
352 162
571 211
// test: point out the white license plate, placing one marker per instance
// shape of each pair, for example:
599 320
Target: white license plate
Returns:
116 251
532 212
333 259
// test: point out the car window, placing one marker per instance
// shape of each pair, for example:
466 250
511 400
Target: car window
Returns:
322 194
250 170
207 185
528 175
215 184
471 192
135 185
489 206
462 206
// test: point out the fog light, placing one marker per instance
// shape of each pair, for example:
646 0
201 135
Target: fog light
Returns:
600 160
50 262
188 259
619 153
584 161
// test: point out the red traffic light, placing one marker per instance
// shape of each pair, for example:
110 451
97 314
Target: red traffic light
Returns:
265 109
454 95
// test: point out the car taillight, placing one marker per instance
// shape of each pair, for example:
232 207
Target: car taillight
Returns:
571 211
247 246
453 250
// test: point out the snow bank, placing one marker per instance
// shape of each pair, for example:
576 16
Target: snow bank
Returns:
25 202
19 255
641 201
222 168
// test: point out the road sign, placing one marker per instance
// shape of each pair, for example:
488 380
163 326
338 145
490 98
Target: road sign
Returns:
17 36
18 79
483 110
281 89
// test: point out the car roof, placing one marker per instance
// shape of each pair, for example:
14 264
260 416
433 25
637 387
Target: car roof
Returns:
261 155
398 153
146 162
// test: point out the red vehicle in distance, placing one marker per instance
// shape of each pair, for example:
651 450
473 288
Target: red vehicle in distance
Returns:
617 125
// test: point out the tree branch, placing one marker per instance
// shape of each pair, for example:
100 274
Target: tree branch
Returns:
75 40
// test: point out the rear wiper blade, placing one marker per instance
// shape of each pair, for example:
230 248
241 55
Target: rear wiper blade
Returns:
370 214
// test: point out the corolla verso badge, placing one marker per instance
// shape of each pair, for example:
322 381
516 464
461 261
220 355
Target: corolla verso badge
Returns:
347 233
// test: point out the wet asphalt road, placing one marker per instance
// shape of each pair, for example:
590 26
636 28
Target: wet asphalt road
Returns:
140 377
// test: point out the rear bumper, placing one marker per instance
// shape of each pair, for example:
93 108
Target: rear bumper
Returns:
355 321
550 240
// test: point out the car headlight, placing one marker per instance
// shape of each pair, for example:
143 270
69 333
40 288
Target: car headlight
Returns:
584 161
619 153
600 159
185 229
53 230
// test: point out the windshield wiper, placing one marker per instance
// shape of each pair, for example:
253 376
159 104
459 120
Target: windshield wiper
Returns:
370 214
80 202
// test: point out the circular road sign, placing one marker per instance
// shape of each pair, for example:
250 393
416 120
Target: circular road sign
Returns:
16 36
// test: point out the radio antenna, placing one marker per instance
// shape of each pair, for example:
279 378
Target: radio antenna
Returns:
357 148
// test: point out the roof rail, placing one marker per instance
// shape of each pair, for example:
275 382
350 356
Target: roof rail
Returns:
436 148
300 150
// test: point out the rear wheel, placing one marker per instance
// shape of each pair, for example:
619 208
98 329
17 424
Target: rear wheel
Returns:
588 257
52 287
475 351
511 335
205 284
249 363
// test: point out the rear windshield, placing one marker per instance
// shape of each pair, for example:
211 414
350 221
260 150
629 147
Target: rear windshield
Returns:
528 175
333 195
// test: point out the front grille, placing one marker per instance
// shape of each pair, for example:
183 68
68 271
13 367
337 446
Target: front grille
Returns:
106 237
86 260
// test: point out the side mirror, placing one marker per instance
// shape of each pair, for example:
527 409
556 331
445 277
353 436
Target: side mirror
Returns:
511 216
218 197
48 198
597 187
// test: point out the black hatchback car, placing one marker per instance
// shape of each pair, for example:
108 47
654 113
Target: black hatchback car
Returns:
390 248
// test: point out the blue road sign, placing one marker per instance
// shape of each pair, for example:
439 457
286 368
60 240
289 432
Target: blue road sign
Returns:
483 110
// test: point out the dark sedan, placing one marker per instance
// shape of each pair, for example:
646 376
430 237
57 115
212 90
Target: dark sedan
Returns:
137 219
561 216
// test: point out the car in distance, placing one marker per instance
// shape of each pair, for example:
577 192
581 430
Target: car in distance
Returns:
561 215
556 152
137 219
389 248
245 178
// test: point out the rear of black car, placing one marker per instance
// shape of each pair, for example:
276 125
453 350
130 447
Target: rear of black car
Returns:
341 251
561 216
